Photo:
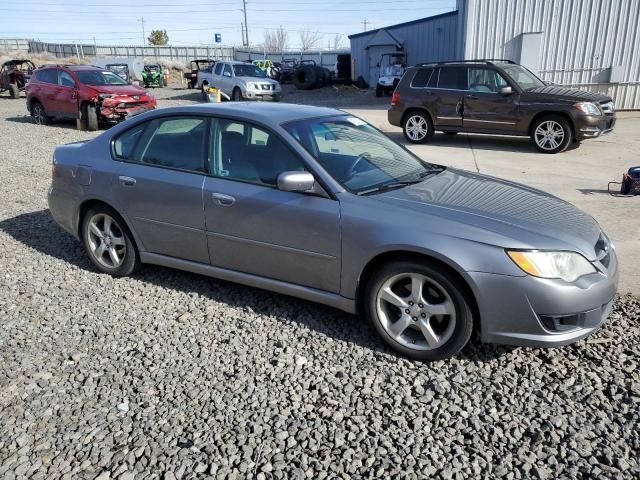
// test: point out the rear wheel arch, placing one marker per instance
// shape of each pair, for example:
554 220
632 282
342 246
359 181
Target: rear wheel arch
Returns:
86 205
413 110
385 258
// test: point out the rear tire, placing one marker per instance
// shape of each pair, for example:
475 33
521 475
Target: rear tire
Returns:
417 127
378 90
39 114
419 310
109 242
551 134
14 90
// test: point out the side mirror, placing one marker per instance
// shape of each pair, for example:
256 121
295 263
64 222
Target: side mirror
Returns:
296 182
506 91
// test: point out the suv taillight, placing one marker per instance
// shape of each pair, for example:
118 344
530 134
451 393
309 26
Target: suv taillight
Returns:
395 99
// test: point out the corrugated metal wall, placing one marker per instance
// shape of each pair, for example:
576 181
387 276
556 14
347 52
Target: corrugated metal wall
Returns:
581 40
428 40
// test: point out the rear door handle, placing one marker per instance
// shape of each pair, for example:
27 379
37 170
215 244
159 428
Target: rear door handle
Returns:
222 199
126 181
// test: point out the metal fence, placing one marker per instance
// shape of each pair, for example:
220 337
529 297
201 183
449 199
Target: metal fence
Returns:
12 44
325 58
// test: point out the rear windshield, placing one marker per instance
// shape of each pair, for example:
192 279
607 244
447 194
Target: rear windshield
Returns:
97 77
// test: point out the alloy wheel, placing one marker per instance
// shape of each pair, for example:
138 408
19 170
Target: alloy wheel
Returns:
417 128
416 311
106 240
549 135
39 116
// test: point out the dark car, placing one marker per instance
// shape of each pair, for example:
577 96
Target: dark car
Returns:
496 97
84 92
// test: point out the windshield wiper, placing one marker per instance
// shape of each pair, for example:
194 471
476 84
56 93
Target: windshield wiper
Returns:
399 184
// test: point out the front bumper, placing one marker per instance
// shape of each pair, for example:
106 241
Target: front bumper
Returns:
589 126
121 107
263 96
536 312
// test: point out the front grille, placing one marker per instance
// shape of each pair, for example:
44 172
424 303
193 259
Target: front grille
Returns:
608 107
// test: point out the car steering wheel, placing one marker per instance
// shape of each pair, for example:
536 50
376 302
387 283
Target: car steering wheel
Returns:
356 164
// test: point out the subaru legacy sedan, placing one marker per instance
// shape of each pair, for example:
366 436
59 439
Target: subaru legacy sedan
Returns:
318 204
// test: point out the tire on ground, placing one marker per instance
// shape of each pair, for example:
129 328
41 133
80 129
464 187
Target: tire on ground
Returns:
450 283
554 121
305 77
90 115
131 261
14 90
411 126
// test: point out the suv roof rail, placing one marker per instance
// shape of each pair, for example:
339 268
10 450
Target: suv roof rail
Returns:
488 61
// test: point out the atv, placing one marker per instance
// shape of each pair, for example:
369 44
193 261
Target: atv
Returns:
153 75
14 75
392 67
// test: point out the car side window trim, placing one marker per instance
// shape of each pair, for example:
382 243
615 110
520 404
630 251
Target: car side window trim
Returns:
147 124
498 72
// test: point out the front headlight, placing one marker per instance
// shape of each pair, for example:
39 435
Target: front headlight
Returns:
105 95
588 108
568 266
252 86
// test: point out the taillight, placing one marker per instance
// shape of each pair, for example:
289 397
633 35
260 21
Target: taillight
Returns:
395 99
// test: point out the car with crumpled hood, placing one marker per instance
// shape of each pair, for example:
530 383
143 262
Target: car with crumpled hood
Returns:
90 94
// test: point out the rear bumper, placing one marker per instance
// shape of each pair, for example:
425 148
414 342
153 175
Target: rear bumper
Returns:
394 115
588 126
535 312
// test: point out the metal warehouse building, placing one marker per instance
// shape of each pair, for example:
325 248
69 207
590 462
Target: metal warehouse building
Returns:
587 44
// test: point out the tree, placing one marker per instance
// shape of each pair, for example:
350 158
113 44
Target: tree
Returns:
158 37
309 39
337 42
275 41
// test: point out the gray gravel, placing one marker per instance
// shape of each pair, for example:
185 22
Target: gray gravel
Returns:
170 375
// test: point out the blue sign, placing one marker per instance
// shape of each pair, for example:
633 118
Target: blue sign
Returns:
218 38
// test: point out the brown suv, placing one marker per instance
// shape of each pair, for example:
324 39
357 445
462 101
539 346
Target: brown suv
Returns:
496 97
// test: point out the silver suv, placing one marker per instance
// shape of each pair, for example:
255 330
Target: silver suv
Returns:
241 81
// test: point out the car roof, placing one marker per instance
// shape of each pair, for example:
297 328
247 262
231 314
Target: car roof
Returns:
267 113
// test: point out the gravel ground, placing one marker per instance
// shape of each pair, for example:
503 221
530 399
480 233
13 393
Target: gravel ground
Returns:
171 375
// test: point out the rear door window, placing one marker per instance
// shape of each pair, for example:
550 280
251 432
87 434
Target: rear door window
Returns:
218 69
453 78
422 77
171 142
47 76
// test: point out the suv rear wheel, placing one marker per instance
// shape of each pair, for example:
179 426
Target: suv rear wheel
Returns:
551 134
38 113
417 127
419 310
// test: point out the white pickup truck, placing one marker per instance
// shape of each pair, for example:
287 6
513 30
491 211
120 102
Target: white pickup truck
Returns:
239 81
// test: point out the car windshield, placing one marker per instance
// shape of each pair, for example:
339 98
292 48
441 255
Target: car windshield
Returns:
358 156
97 77
523 77
248 70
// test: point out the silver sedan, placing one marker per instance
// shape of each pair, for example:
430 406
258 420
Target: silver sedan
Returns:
318 204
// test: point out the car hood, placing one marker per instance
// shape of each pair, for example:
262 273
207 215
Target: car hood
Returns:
119 89
257 80
512 215
566 94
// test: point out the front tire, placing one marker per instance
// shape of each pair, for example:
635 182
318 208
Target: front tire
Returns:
91 117
419 310
417 127
237 95
551 134
378 90
14 90
109 242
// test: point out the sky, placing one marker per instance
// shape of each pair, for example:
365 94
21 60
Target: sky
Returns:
118 22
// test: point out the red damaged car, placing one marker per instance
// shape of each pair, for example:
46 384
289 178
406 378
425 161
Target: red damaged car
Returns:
86 93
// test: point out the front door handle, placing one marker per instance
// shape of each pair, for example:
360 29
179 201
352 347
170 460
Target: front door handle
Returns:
222 199
126 181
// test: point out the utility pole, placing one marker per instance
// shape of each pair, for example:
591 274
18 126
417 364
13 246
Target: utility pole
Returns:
365 22
144 41
244 42
246 26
